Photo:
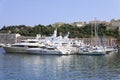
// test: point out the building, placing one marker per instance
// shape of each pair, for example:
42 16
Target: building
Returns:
7 38
58 24
99 22
78 24
114 24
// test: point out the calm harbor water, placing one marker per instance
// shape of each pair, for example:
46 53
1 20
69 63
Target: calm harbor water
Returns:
54 67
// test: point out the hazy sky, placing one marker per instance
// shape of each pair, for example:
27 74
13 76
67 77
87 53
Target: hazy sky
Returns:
33 12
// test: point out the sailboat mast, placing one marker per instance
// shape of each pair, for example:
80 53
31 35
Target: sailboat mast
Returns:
95 34
92 39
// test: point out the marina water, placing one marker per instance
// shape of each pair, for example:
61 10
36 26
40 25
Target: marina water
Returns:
56 67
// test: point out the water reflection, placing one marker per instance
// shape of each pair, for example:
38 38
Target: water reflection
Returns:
53 67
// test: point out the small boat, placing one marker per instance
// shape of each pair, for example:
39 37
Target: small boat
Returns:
111 49
92 51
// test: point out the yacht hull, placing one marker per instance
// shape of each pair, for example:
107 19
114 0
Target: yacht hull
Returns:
91 53
45 51
15 49
99 52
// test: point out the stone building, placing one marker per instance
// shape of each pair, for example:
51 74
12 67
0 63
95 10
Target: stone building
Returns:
6 38
78 24
97 22
114 24
58 24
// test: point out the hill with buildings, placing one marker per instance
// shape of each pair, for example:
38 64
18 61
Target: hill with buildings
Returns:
76 29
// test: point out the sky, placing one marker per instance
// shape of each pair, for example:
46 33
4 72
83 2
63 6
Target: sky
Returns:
45 12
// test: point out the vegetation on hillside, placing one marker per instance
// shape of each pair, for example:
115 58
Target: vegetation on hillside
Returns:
79 32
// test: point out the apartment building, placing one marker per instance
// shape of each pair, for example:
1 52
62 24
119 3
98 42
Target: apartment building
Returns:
78 24
7 38
114 24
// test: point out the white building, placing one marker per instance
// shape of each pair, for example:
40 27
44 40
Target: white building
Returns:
58 24
6 38
78 24
114 24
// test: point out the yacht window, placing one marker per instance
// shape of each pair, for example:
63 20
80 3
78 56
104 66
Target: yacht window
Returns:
64 43
18 45
56 43
33 46
43 47
32 41
50 48
22 41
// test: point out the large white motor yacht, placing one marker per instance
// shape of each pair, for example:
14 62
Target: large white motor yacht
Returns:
55 45
59 50
22 46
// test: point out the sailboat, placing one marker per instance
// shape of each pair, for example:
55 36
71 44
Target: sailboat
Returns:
95 48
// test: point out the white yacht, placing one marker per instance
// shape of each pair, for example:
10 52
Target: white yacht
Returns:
59 50
22 46
55 45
